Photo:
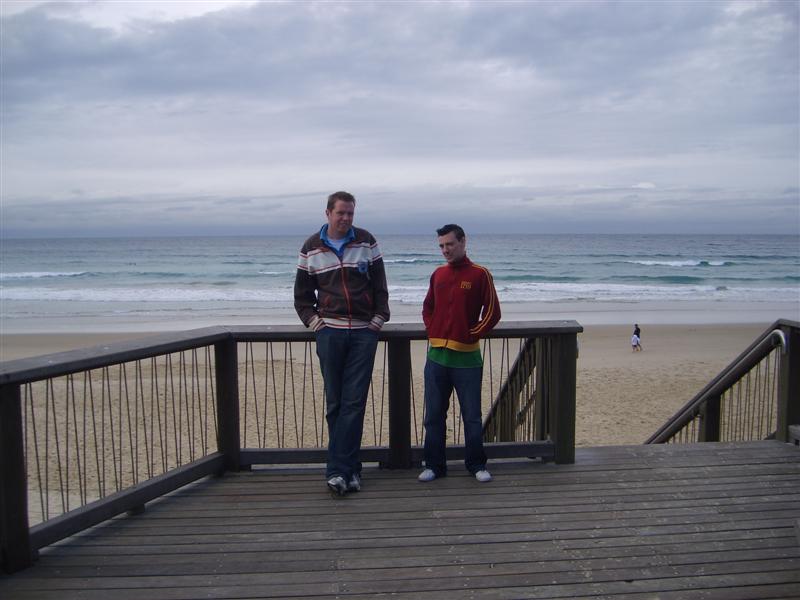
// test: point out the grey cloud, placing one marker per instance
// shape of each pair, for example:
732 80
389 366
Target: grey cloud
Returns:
237 112
282 49
479 209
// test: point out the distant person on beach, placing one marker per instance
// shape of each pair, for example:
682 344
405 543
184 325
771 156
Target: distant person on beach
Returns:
461 307
340 292
636 338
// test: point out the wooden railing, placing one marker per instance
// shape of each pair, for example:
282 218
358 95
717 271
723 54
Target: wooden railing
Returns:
756 397
89 434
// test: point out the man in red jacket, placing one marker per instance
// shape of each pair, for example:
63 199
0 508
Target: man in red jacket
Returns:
460 308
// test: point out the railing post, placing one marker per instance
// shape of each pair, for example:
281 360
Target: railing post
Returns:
399 361
789 384
227 364
15 541
541 389
710 420
562 398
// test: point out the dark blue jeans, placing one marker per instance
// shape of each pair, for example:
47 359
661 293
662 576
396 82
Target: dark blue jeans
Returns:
346 357
439 384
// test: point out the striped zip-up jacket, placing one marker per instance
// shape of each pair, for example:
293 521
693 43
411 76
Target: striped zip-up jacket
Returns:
345 290
461 306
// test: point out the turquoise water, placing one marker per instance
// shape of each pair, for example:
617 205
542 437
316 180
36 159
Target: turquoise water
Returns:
229 276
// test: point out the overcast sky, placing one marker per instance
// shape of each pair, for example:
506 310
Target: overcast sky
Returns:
157 118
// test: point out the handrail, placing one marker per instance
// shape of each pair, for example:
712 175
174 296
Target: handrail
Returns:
24 370
34 368
505 414
764 344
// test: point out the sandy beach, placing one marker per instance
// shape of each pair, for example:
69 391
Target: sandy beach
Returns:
622 397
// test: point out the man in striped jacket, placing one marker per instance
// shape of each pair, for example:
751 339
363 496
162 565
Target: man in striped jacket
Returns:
340 292
460 308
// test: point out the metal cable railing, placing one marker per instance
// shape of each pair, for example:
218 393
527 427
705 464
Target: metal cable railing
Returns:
282 401
511 416
740 404
96 432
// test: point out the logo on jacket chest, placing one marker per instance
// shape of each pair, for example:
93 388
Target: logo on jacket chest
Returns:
466 285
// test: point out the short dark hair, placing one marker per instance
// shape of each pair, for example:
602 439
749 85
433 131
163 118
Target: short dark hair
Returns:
343 196
451 228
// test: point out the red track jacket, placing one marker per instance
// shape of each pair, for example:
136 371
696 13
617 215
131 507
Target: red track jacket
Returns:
461 306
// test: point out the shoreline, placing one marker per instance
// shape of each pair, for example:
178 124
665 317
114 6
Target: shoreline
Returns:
685 312
22 338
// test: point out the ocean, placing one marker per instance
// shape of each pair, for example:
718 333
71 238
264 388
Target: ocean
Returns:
52 283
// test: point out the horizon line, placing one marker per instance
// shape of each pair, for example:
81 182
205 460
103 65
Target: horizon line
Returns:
290 234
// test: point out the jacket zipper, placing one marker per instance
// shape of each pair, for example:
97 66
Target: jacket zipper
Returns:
346 292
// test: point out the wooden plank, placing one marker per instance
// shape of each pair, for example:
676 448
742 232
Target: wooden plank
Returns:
389 569
718 522
462 527
687 516
750 592
531 481
137 495
354 547
546 490
444 577
505 505
524 586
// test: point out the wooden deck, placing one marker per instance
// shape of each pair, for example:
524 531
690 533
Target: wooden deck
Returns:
669 522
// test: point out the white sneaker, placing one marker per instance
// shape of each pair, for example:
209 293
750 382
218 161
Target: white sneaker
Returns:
427 475
483 476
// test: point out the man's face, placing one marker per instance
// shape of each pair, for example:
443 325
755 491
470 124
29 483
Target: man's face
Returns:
452 249
340 219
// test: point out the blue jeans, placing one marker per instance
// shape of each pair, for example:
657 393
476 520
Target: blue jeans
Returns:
346 357
439 384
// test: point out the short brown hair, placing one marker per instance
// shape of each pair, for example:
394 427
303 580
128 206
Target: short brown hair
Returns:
343 196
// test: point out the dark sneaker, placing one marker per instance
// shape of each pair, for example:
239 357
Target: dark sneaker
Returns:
337 485
354 485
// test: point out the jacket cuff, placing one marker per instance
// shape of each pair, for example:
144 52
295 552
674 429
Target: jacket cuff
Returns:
316 323
377 322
